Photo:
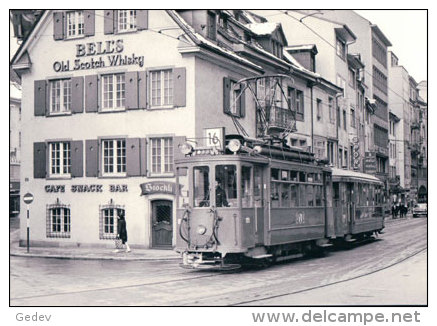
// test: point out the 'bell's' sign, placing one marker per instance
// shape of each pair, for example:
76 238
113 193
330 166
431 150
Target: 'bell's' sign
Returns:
161 187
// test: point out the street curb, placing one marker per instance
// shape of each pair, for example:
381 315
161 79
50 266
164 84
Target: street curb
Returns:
33 255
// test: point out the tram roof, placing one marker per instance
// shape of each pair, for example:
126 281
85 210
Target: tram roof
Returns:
354 176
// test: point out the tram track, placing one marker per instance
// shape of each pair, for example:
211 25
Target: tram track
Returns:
175 287
249 302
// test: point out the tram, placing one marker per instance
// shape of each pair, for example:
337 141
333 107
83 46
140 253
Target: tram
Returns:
262 201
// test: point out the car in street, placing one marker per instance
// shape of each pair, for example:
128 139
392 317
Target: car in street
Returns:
420 209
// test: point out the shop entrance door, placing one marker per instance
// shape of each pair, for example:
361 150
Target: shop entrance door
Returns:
162 224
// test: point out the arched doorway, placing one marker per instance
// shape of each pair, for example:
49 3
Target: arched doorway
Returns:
422 195
162 223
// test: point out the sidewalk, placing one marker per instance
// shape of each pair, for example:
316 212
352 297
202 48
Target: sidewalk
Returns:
106 253
86 253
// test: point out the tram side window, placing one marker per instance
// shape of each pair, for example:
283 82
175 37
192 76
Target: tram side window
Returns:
275 194
275 174
336 187
246 187
310 195
226 179
285 195
201 186
294 202
302 195
319 195
371 195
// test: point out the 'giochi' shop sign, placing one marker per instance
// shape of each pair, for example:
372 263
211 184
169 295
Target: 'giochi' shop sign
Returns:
103 54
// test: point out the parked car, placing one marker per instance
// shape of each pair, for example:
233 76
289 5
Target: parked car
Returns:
420 210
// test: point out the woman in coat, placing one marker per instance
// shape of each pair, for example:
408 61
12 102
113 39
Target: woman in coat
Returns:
121 230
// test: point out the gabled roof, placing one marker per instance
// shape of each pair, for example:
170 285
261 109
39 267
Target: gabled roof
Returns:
266 29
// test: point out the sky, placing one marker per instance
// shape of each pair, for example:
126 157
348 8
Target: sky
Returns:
407 31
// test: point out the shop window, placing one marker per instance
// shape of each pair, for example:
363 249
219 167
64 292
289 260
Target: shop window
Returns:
75 24
161 153
108 215
114 157
113 92
60 159
60 96
58 221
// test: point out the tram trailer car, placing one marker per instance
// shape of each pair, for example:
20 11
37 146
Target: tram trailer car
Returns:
268 203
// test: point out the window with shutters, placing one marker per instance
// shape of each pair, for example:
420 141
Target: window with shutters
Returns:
299 106
126 20
60 159
161 86
161 155
58 221
113 157
113 92
74 24
60 96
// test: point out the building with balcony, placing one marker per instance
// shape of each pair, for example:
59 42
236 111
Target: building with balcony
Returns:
108 97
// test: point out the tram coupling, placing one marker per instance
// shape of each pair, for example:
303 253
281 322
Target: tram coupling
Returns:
205 261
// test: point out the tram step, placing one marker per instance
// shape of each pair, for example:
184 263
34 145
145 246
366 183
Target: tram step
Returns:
282 258
325 245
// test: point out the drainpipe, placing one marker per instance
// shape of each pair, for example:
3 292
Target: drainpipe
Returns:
311 84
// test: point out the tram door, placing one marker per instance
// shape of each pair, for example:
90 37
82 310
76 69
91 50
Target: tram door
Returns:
258 192
162 223
350 204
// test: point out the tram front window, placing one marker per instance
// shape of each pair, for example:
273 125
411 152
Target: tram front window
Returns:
226 185
201 186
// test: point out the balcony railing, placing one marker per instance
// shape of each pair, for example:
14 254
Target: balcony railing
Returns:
280 118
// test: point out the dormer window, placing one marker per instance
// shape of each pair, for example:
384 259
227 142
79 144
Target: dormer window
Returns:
127 20
211 26
277 49
75 24
341 48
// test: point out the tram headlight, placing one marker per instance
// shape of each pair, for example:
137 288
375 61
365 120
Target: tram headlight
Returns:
234 145
201 230
186 148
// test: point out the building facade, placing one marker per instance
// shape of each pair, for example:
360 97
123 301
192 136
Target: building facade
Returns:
106 112
14 147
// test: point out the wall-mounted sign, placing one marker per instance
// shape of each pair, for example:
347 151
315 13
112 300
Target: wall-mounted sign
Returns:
161 187
103 54
85 188
370 163
355 153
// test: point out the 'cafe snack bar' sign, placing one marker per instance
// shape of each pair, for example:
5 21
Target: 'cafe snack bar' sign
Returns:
103 54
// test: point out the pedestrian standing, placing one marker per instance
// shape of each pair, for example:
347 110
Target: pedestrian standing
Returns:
402 210
121 230
393 210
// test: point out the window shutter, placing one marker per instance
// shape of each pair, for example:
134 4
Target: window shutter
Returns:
109 22
142 89
142 19
179 87
77 94
91 99
143 156
58 25
177 154
92 157
77 158
40 97
226 95
133 164
131 79
39 160
89 22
